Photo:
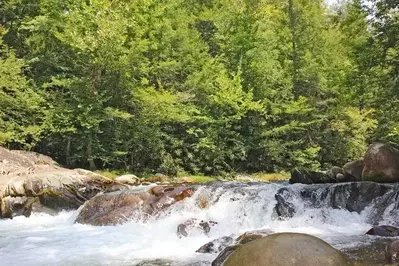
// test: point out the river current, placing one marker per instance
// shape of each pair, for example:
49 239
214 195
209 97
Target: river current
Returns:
236 207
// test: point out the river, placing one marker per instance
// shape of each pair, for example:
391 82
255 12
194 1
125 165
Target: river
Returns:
237 207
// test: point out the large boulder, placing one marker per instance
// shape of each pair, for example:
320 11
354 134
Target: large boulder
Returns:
13 162
353 171
32 181
120 206
287 249
381 164
58 188
307 176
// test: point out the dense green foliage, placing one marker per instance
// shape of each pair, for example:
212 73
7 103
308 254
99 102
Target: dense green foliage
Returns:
212 87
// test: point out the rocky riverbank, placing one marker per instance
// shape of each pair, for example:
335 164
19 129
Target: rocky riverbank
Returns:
31 182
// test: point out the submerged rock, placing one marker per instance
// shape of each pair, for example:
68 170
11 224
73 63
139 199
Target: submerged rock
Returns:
185 228
121 206
381 164
384 230
392 252
368 252
286 249
158 262
307 176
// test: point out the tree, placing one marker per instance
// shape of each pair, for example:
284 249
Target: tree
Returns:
21 113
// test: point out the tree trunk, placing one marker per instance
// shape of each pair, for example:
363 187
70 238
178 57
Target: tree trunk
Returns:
92 165
68 152
295 58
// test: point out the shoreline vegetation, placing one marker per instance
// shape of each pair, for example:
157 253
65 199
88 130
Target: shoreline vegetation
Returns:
209 88
202 179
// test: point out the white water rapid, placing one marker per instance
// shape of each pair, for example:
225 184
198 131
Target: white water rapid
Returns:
56 240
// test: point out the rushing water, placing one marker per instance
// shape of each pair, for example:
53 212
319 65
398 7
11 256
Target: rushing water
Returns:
56 240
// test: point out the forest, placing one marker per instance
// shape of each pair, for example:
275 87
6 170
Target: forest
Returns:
211 86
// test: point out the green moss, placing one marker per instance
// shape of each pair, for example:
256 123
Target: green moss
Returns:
270 176
202 178
111 174
49 192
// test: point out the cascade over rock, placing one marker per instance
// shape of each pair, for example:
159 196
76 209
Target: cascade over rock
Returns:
284 207
121 206
353 196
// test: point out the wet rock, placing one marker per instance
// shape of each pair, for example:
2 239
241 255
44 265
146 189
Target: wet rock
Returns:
130 180
121 206
353 171
369 252
16 206
384 230
216 245
284 208
392 252
221 258
248 237
286 249
184 229
354 196
307 176
381 164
